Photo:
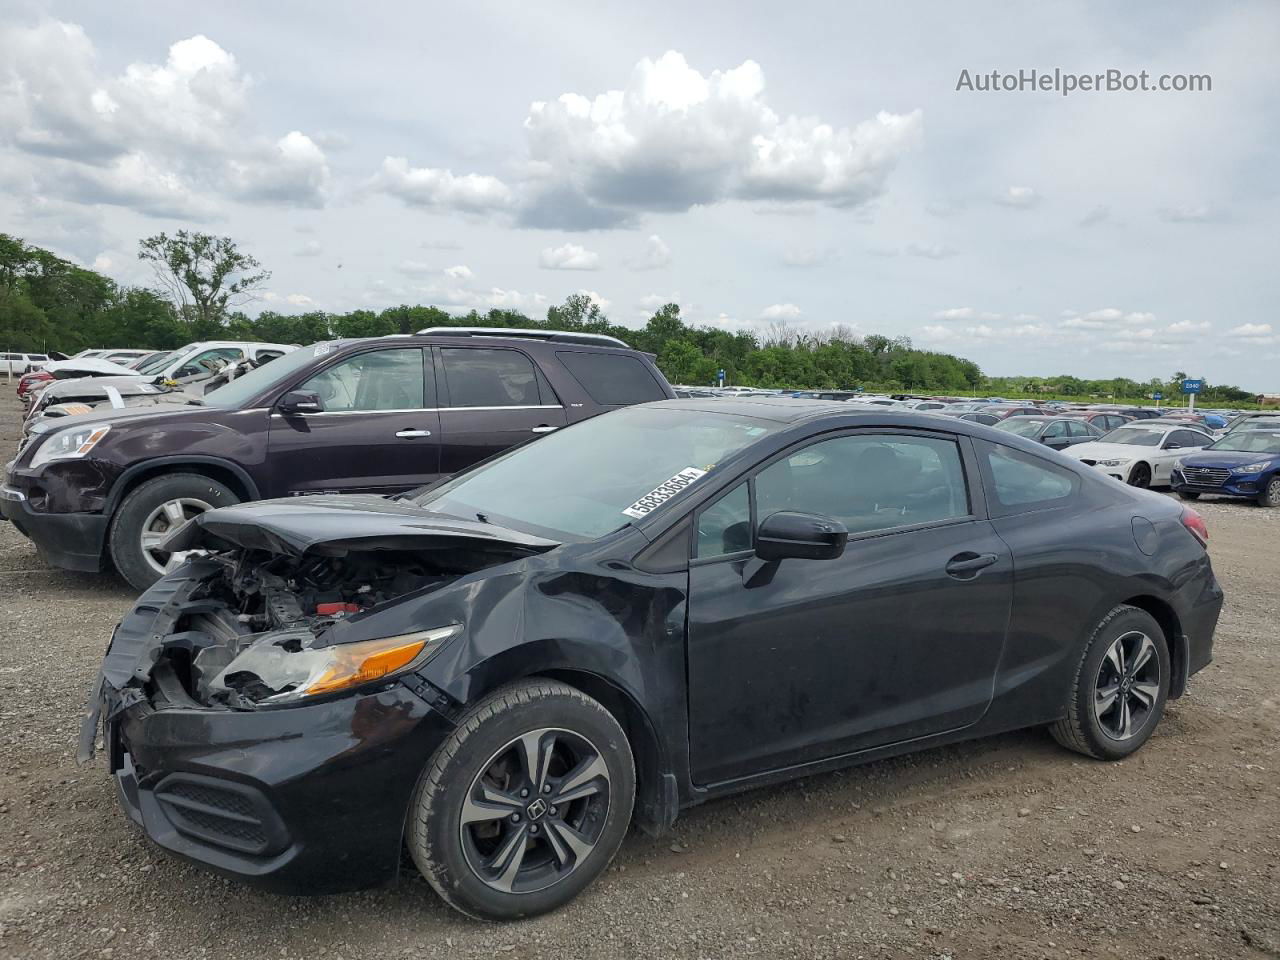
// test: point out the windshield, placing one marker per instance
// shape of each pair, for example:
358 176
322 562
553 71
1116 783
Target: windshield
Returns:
1134 436
578 483
155 363
239 390
1248 441
1023 428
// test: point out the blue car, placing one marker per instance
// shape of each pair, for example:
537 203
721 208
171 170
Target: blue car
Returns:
1242 464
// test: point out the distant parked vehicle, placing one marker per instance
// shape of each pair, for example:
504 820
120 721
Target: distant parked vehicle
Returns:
1001 411
1056 432
1142 453
15 364
1102 419
1241 464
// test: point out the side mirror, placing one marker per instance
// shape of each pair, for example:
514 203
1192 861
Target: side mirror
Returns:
802 536
300 401
1173 445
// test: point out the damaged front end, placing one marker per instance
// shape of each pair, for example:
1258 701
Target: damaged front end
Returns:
284 654
256 619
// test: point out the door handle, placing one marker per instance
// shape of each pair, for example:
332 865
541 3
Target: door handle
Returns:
543 429
965 566
412 434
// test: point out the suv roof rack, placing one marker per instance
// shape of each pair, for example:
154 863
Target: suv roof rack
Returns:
524 333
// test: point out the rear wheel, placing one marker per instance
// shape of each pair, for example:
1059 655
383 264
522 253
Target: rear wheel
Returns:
1120 689
1189 494
1140 475
1270 495
525 803
153 511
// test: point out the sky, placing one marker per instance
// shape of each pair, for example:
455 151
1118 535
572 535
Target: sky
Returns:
808 165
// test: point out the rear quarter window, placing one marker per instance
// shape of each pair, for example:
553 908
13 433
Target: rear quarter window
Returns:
612 379
1019 482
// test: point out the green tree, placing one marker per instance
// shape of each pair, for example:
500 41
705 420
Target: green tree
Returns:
202 275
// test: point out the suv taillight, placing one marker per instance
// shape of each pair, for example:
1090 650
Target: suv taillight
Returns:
1196 526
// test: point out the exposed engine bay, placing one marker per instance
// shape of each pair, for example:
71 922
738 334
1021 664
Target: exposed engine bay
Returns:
257 630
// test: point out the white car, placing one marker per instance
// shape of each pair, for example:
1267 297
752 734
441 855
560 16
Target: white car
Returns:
1141 453
16 364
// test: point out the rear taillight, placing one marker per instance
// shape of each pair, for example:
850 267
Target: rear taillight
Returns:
1196 526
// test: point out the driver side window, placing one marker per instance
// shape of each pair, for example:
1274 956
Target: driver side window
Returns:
379 380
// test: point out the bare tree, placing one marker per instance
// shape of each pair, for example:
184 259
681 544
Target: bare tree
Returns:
779 334
202 275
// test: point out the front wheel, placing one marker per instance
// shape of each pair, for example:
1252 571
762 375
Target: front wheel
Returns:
150 513
1120 689
1270 495
525 803
1140 476
1189 494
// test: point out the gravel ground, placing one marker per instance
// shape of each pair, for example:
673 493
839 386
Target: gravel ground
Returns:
1008 845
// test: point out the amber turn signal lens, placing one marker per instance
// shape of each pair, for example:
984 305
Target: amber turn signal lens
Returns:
357 663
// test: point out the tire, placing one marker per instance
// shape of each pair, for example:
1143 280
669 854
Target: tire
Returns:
1270 495
1140 476
1189 494
469 864
1100 733
143 512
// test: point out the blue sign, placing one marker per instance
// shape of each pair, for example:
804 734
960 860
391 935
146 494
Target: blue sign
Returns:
720 375
1157 396
1192 386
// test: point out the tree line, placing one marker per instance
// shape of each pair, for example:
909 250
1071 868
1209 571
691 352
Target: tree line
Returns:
202 283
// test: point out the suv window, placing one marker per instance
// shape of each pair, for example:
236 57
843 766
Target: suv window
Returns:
612 379
484 377
868 482
725 526
207 361
379 380
1021 480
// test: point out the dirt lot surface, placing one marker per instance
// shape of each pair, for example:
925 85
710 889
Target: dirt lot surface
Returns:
1008 846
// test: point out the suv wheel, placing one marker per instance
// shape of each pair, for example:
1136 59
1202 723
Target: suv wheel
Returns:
525 803
1270 495
153 511
1120 689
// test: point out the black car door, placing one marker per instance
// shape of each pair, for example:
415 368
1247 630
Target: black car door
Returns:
491 398
377 430
899 638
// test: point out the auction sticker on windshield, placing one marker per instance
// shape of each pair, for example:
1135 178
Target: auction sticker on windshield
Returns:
663 492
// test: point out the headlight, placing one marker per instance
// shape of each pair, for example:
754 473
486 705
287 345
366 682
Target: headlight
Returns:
1110 463
280 668
1252 467
71 442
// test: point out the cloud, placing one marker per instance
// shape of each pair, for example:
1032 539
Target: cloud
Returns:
1190 213
965 313
569 256
808 256
459 272
1099 214
1250 331
169 139
1104 318
1020 198
674 138
656 254
781 311
930 251
1188 326
299 300
440 189
311 248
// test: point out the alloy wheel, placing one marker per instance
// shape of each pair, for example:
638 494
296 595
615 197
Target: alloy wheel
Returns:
1127 688
535 811
161 522
1141 476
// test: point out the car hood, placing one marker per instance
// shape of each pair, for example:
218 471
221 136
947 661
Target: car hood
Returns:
1107 451
333 524
107 414
87 367
1224 458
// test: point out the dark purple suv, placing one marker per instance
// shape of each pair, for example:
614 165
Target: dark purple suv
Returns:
378 415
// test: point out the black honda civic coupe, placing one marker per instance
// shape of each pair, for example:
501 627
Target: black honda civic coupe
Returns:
644 611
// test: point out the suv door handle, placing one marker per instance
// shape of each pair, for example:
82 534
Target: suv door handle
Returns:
965 566
412 434
543 429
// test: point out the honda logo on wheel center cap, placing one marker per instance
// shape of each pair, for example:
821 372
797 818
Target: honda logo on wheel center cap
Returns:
536 809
